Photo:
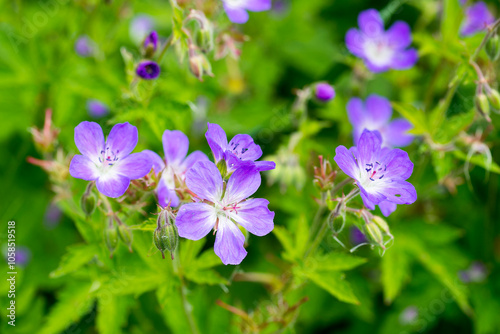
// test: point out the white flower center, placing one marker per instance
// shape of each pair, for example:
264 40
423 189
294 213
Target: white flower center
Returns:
378 52
371 173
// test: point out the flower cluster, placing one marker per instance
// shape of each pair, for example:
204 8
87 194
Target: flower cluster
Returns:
220 197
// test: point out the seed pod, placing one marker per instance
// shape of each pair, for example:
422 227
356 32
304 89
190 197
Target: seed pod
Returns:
88 203
382 224
492 47
111 236
125 234
166 236
482 104
494 98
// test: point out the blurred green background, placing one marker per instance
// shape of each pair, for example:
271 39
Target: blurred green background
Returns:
293 45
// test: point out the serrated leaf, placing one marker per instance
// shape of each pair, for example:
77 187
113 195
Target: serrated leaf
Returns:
75 257
415 116
112 313
335 261
335 283
395 270
148 225
74 302
210 277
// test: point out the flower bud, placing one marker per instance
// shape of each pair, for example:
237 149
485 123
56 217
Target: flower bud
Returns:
199 63
166 236
88 203
482 104
494 98
492 47
382 224
222 167
111 236
150 44
372 231
204 35
324 92
126 235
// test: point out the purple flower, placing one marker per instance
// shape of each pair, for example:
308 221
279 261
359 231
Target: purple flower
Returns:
381 50
238 151
236 10
380 173
109 162
477 18
96 108
324 92
175 165
140 26
151 41
84 46
148 70
375 114
222 206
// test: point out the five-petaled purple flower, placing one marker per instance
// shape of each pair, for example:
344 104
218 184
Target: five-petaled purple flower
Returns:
477 18
175 165
151 41
96 108
108 162
223 206
381 50
236 10
324 92
148 70
239 150
375 114
380 173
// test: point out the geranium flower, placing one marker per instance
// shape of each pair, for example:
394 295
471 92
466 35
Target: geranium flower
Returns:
109 162
239 150
236 10
380 49
375 114
380 173
477 18
175 165
222 208
148 70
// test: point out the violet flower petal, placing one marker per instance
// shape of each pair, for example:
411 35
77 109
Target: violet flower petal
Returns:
156 160
242 184
236 14
175 145
204 180
254 216
217 140
396 133
83 168
89 140
399 35
195 220
229 242
258 5
370 22
192 159
134 166
112 184
122 139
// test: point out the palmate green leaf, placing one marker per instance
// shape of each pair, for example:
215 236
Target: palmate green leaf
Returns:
334 282
335 261
112 313
207 276
395 270
148 225
416 117
452 126
135 283
74 301
173 302
76 257
479 160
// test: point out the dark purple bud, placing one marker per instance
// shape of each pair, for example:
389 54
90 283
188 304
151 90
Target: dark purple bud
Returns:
324 92
151 42
356 236
84 46
96 108
148 70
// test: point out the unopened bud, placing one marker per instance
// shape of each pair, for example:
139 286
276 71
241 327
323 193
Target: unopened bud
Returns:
111 236
494 98
492 47
88 203
336 220
482 104
382 224
150 44
126 235
372 231
166 236
199 63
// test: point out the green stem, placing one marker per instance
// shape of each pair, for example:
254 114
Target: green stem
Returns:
165 47
491 30
341 185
